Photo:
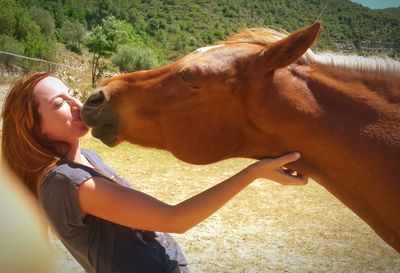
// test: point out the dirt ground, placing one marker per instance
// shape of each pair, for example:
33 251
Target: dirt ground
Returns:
266 228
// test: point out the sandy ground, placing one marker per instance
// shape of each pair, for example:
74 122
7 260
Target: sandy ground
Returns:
266 228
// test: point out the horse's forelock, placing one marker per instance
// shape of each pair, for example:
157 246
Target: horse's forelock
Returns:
263 36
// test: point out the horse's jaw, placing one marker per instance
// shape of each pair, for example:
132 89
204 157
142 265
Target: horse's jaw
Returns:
103 121
198 149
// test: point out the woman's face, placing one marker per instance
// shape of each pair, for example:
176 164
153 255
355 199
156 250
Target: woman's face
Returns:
59 111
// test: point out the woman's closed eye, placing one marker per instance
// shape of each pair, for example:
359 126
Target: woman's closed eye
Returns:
58 102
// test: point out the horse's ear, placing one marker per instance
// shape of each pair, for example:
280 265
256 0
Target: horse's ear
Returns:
290 49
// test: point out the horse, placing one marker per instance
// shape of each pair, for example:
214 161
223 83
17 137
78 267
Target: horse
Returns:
263 93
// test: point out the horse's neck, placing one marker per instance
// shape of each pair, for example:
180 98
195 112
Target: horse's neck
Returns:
349 134
333 122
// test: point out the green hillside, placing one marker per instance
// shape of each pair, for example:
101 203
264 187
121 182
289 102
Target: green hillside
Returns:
172 28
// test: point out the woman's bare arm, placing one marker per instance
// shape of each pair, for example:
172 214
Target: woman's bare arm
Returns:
128 207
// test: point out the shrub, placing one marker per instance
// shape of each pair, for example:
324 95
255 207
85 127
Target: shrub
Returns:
132 58
38 46
9 44
72 34
43 19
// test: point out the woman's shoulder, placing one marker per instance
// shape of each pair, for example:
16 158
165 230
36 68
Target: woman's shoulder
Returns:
90 153
58 195
94 156
68 172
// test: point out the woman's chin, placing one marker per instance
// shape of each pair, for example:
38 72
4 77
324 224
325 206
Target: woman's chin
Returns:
84 131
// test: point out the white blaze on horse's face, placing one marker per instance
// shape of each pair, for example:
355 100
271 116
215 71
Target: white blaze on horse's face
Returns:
206 48
219 65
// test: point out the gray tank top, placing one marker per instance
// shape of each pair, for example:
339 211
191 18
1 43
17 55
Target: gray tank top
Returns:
98 245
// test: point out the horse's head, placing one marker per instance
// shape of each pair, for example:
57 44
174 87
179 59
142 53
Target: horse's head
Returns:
196 107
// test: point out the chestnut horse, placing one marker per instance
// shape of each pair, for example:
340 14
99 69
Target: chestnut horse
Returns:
263 93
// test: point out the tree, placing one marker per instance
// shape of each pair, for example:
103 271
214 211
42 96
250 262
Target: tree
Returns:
104 39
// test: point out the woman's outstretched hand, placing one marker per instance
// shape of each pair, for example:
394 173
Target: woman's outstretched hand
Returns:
273 169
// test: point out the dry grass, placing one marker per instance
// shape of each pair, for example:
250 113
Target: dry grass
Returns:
266 228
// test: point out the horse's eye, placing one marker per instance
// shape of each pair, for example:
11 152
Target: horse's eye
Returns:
189 78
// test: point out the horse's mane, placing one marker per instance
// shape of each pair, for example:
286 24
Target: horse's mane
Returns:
267 36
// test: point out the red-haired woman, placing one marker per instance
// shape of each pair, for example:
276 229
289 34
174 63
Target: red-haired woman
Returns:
105 224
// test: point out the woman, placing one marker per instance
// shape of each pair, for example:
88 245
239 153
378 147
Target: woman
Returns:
106 225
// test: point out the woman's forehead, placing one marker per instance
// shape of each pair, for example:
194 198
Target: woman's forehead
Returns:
49 87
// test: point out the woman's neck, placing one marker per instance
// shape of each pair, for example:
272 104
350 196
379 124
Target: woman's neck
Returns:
74 153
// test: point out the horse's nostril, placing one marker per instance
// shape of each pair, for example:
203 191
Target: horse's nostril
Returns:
96 99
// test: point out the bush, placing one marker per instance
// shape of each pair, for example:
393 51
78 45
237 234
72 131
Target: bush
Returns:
72 34
43 19
38 46
132 58
8 18
9 44
25 27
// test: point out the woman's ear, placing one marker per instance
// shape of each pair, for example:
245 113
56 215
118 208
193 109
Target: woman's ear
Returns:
290 49
41 131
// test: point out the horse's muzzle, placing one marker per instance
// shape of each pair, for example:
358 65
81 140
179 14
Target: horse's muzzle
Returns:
97 114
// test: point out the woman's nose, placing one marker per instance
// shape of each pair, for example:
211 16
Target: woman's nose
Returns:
76 106
76 103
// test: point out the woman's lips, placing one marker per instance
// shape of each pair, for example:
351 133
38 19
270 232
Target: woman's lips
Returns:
77 118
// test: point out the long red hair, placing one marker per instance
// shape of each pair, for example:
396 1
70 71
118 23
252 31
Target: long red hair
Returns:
24 149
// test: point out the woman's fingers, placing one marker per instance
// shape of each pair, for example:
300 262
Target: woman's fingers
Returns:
286 176
273 169
285 159
286 179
